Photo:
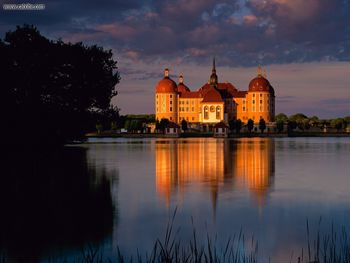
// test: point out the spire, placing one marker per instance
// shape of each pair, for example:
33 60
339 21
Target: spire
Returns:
214 69
213 77
181 79
166 73
259 71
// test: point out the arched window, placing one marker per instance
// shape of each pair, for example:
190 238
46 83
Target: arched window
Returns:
212 109
218 113
206 112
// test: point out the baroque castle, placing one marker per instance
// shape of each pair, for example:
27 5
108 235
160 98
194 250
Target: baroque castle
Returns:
214 102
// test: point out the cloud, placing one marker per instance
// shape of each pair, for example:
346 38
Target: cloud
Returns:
242 33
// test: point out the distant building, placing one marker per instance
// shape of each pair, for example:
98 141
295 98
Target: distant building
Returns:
214 102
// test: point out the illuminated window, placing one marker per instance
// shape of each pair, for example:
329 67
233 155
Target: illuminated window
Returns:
218 113
206 112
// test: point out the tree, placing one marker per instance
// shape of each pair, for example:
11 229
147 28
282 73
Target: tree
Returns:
262 125
232 125
184 125
53 85
281 117
292 125
250 125
239 125
279 125
338 123
163 124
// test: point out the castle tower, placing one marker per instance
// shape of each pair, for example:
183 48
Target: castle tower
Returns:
166 98
261 98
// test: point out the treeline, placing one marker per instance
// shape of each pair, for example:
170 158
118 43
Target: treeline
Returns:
112 121
304 123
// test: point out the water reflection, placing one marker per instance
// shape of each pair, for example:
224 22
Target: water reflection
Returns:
216 165
52 203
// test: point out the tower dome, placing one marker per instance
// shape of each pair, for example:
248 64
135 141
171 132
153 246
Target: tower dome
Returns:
260 84
181 87
166 85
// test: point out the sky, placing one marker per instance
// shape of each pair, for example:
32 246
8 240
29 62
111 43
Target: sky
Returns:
304 45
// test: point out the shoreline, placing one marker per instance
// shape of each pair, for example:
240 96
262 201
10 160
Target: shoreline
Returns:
209 135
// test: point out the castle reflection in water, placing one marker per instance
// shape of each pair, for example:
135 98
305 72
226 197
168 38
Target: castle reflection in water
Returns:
215 165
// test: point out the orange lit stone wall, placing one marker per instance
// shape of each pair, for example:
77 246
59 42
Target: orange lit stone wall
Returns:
166 106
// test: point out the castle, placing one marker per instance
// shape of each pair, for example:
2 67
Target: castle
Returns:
214 102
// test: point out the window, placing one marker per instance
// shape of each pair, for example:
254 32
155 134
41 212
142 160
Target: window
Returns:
171 108
171 96
260 101
171 118
260 95
260 109
206 112
253 94
192 102
212 109
243 101
218 113
192 109
253 101
253 108
243 108
193 118
187 102
186 118
187 109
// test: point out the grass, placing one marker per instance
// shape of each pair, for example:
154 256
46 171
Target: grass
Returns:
326 248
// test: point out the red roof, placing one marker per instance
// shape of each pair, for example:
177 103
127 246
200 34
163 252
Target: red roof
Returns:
212 95
181 88
260 84
240 94
166 85
191 94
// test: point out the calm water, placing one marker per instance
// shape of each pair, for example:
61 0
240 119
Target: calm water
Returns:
122 192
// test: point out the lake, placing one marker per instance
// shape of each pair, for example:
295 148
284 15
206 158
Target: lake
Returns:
121 193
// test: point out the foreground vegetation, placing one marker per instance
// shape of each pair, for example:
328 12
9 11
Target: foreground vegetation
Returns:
331 247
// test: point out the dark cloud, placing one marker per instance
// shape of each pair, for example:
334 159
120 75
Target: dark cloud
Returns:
239 32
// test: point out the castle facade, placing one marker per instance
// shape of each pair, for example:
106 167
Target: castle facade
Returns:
214 102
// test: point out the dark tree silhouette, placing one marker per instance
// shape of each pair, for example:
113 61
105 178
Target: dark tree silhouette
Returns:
51 90
279 125
262 125
232 125
184 125
163 123
238 125
250 125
